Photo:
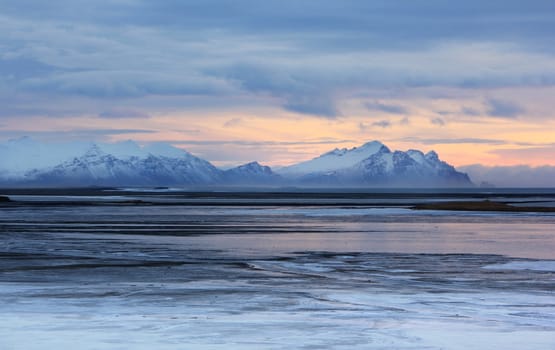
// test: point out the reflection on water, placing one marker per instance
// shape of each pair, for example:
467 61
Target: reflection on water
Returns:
274 277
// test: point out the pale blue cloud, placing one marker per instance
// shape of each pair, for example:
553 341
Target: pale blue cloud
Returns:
304 56
382 124
324 141
470 111
437 121
512 176
119 113
72 134
504 109
385 107
445 141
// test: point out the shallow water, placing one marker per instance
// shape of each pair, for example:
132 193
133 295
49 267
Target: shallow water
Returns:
224 277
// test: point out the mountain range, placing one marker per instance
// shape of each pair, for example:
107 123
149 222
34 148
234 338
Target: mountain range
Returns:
26 162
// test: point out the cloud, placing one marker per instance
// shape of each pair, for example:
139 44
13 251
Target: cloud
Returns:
537 154
124 83
73 134
437 121
235 152
382 124
404 121
123 113
304 57
379 22
14 68
322 106
505 109
299 89
387 108
233 122
511 176
470 111
260 143
448 141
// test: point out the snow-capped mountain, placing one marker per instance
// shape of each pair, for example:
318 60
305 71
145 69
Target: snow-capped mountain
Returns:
333 160
252 173
26 162
99 168
22 155
411 168
374 164
127 164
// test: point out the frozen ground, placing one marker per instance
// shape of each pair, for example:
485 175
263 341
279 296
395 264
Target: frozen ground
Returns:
251 278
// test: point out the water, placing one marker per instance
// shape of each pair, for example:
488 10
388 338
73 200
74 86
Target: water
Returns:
333 273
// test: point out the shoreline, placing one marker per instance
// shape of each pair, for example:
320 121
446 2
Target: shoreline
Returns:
485 205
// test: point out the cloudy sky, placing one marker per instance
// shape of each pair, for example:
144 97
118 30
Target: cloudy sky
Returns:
282 81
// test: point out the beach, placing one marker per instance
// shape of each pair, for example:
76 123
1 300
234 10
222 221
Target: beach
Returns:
337 271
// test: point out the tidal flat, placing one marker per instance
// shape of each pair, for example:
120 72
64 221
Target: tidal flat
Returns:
167 269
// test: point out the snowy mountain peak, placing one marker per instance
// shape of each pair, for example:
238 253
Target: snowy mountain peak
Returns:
336 159
368 148
94 151
252 173
162 149
416 155
251 168
432 155
129 149
372 146
22 141
374 164
251 165
336 152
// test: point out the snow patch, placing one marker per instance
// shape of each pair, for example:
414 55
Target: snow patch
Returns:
335 160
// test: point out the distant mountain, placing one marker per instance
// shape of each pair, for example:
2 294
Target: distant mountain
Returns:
97 167
411 168
374 164
511 176
333 160
252 174
25 162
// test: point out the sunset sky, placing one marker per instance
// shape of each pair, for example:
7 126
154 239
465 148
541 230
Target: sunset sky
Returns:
283 81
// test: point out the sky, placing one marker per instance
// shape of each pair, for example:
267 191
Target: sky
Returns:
283 81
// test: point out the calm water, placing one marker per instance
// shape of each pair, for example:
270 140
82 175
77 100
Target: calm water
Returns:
263 271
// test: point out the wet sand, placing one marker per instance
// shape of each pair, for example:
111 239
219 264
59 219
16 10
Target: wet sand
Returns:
273 277
482 206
